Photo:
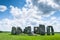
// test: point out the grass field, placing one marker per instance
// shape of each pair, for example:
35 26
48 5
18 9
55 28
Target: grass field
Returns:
8 36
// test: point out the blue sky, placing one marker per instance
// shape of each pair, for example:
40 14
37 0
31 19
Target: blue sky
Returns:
19 3
22 12
7 3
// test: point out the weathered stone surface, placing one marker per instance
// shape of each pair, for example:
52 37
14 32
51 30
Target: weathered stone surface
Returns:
18 30
36 30
42 29
27 30
48 30
13 31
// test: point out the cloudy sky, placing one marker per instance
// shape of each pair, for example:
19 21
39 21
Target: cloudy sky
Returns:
24 13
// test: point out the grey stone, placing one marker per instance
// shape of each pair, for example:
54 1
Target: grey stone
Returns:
42 29
27 30
18 30
48 30
36 30
13 31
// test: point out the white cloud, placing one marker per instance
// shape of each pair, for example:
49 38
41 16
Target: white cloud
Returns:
15 11
49 2
5 25
57 1
30 15
46 6
3 8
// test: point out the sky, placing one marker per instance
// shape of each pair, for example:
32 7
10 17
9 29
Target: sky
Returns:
23 13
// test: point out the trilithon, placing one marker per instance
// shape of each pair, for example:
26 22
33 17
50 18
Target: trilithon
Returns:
50 30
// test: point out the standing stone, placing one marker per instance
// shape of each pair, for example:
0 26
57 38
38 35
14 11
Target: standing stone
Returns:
19 30
42 29
48 30
13 31
25 30
28 29
36 30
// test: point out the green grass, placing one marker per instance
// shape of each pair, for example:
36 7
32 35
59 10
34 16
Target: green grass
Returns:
8 36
